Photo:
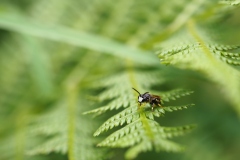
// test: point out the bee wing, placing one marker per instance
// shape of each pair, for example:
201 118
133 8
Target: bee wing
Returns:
155 96
156 99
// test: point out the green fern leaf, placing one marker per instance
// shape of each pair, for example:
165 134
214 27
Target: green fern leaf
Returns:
139 130
177 131
219 47
123 96
126 116
146 146
45 78
135 135
208 57
64 123
64 137
175 108
175 94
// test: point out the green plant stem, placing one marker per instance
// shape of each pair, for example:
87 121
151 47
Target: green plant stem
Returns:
21 125
72 85
72 103
143 117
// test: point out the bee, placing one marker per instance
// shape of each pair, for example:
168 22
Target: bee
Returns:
153 100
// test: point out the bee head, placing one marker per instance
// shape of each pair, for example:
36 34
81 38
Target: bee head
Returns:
141 97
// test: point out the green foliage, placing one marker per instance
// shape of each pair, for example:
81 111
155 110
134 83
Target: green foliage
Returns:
64 133
231 2
139 130
197 52
60 59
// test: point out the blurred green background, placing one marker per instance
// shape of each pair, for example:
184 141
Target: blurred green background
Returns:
53 51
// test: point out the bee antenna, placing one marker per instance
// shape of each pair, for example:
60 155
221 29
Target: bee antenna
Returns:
136 91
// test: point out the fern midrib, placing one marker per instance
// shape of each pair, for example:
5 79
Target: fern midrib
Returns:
72 86
21 123
192 29
227 75
143 117
191 26
72 99
146 125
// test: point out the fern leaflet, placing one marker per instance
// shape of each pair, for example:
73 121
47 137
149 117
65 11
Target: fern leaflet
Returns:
231 2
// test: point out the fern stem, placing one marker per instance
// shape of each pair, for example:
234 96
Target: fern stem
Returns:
72 98
146 125
143 117
209 55
21 134
72 85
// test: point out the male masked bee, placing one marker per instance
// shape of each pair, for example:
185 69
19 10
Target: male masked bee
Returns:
153 100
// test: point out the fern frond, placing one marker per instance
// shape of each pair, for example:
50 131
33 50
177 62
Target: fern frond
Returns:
64 124
15 143
138 124
209 58
146 134
56 125
58 51
124 97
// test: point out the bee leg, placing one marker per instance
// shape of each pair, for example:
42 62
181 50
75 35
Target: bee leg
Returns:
160 105
139 105
151 104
